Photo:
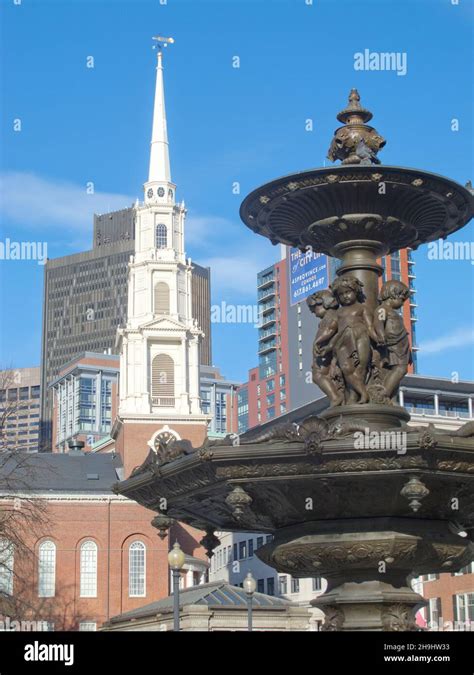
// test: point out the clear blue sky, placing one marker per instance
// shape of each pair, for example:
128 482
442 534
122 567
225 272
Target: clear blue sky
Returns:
225 125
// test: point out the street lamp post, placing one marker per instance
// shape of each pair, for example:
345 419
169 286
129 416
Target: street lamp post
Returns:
249 587
176 562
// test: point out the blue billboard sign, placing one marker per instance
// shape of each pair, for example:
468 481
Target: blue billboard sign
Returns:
308 273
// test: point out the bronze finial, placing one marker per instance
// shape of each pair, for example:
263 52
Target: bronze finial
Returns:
356 142
354 113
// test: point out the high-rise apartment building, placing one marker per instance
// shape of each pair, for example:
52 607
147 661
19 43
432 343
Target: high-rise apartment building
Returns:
283 380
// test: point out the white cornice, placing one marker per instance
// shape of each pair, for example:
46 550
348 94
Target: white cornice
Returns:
58 496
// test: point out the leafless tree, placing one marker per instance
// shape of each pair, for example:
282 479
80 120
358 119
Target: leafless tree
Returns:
23 517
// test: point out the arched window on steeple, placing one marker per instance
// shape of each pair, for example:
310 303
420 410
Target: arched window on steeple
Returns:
162 380
161 237
162 298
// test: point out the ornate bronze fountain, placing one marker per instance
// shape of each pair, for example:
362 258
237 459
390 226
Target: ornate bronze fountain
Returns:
365 517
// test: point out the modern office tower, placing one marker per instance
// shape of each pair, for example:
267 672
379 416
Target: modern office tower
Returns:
283 379
84 401
19 409
218 401
86 299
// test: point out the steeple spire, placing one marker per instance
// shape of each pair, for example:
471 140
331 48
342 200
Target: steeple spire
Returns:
159 187
159 153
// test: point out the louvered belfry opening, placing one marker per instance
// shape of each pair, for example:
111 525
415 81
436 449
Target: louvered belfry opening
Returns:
162 298
162 380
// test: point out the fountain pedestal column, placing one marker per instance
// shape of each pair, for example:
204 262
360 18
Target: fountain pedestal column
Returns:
367 562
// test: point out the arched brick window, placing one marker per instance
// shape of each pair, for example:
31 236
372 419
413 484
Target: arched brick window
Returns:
47 569
88 569
137 569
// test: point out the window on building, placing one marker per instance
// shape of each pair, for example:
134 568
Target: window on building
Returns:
434 612
6 567
271 586
463 605
161 237
431 577
24 393
106 405
270 385
87 626
136 570
271 413
87 408
283 407
468 569
317 585
270 399
295 585
220 417
242 410
88 567
395 266
283 584
47 569
258 390
268 538
162 298
206 401
250 548
260 585
242 550
282 380
259 542
12 394
162 380
236 555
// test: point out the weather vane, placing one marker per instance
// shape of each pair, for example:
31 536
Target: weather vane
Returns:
162 41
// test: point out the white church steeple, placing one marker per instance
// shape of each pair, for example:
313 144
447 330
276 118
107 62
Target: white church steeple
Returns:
159 345
159 188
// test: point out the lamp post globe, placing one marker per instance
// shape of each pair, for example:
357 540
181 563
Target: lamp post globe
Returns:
249 585
176 560
176 557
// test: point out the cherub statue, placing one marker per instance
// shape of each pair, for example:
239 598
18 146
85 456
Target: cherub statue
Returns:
323 305
351 344
392 334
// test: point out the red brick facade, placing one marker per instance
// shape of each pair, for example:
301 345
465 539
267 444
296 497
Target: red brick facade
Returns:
113 523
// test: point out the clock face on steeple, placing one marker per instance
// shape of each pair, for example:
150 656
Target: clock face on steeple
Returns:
149 193
161 192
